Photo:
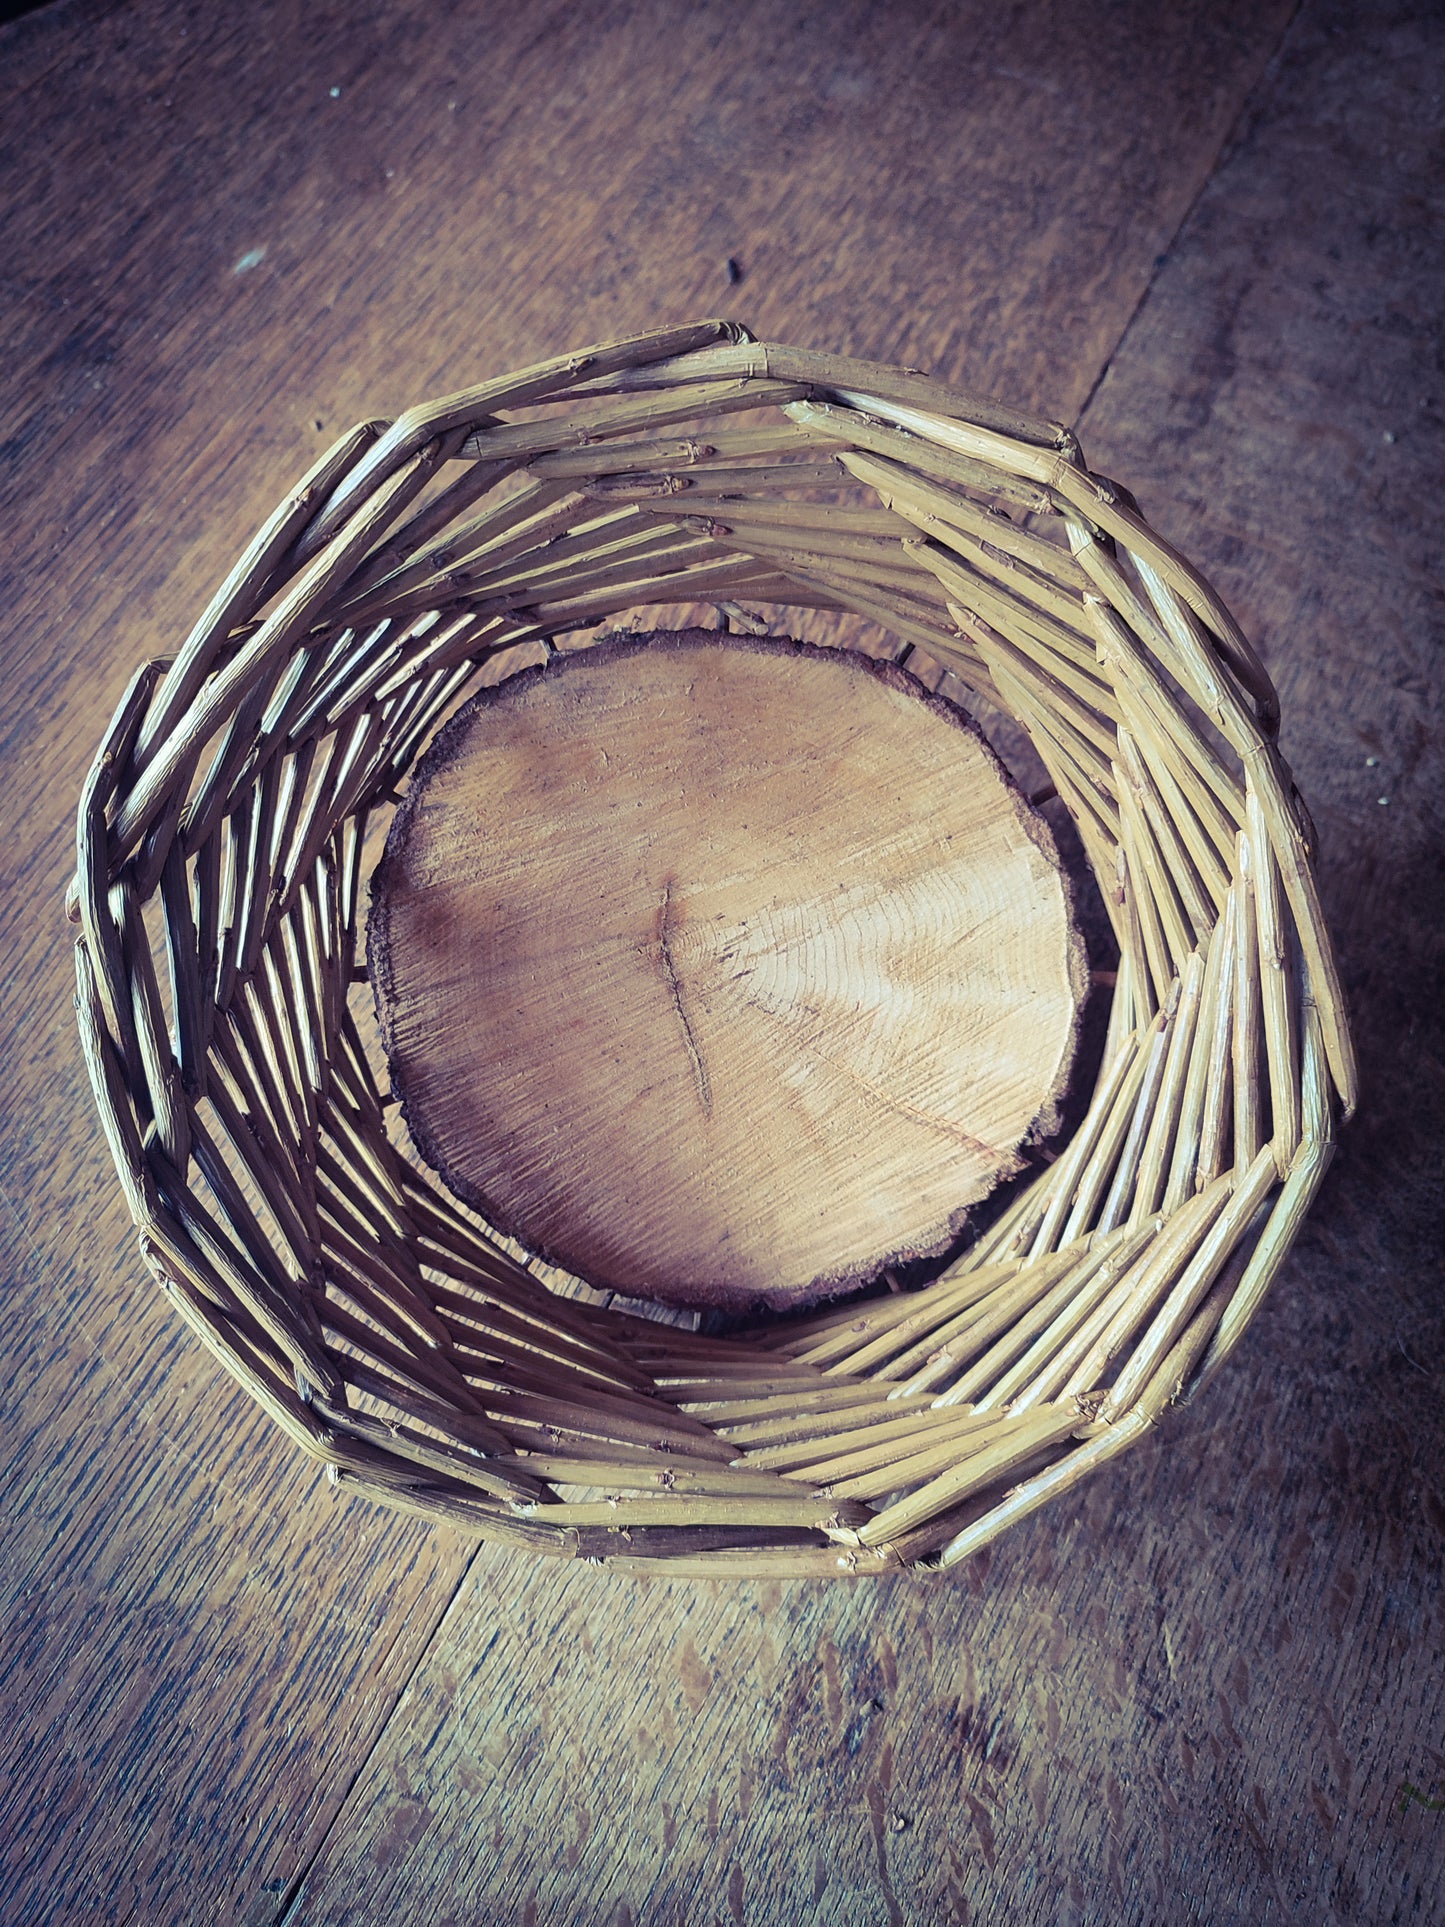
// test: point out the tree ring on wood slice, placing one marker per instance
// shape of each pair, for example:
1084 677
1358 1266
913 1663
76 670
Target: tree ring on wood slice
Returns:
722 971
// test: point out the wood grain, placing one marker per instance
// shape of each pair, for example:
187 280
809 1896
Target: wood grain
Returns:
722 973
1204 1696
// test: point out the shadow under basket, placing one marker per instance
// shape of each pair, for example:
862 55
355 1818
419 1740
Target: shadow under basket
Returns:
234 807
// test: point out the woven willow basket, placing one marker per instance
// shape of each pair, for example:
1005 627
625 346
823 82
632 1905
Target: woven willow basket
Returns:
377 1320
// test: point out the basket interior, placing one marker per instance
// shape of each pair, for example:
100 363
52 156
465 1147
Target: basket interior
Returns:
234 811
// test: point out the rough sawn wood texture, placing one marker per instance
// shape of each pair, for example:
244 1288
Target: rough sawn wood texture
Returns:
722 972
1216 1692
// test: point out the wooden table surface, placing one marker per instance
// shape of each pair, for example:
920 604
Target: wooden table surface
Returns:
1210 1689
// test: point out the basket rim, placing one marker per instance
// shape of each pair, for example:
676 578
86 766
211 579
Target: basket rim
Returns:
374 1318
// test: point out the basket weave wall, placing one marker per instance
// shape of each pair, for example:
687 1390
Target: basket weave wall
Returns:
372 1315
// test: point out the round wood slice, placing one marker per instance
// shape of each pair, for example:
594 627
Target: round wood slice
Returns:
722 971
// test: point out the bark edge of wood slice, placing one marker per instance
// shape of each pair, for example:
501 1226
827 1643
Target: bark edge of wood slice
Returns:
668 951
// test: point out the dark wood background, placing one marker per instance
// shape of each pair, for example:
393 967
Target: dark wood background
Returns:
1213 236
